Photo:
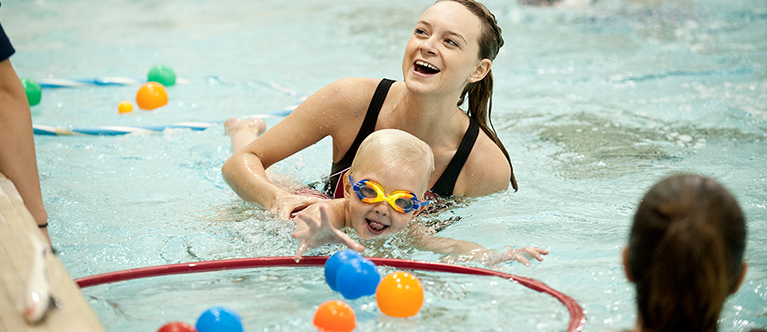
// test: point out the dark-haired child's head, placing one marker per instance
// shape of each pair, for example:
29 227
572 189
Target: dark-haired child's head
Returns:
685 253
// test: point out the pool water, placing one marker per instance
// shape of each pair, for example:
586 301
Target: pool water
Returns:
594 104
285 298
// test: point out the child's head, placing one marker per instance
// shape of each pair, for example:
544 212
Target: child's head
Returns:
394 161
685 253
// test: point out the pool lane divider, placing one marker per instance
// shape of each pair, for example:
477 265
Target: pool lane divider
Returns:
84 82
49 83
577 317
124 130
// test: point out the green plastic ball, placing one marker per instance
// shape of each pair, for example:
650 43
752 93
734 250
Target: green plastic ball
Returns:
162 74
34 93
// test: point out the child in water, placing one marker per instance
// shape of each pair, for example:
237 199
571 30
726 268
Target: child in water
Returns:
384 192
685 254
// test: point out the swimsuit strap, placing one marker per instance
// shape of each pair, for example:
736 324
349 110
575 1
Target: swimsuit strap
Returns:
369 124
367 128
446 181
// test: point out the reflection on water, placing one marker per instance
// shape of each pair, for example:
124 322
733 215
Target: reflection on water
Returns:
589 142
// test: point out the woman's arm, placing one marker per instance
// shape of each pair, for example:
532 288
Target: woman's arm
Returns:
332 110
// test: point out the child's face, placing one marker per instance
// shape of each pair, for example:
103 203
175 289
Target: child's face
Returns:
371 220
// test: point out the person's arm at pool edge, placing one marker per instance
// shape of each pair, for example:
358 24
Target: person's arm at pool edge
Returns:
17 151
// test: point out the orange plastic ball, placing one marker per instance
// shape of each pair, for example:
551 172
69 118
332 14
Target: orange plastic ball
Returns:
125 107
400 294
151 95
335 316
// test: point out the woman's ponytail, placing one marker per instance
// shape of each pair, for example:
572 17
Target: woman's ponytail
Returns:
481 93
480 107
687 284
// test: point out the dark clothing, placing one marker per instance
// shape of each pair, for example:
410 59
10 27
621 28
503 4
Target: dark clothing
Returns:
6 49
445 183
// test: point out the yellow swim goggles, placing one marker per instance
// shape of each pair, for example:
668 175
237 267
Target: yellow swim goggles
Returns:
370 192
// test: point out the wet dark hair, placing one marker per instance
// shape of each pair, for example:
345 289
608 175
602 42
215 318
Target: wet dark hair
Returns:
481 93
685 253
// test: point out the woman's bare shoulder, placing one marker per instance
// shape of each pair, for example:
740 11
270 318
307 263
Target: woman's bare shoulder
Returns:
338 101
352 90
486 170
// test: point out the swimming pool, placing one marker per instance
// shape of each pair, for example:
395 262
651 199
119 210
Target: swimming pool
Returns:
594 105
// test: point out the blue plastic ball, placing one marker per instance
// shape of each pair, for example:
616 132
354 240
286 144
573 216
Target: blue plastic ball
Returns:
358 278
335 262
219 319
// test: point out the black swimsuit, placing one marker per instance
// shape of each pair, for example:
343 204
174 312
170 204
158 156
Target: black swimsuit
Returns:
445 183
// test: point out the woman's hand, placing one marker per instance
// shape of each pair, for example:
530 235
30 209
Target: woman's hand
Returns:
320 232
286 205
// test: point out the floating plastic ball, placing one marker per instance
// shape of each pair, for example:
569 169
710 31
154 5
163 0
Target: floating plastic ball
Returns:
151 95
335 316
177 327
357 278
33 90
162 74
219 319
335 262
125 107
400 294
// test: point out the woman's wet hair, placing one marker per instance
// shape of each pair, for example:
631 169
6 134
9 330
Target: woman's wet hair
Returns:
480 94
685 253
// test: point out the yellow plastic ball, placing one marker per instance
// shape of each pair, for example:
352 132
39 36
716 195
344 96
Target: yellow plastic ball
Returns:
151 95
335 316
400 294
125 107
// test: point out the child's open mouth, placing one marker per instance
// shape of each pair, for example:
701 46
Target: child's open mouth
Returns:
375 228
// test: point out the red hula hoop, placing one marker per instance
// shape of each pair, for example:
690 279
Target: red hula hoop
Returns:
577 318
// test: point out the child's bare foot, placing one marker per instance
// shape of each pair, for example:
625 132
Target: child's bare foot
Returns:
254 126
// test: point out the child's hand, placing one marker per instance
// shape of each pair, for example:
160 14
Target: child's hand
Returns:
519 255
491 258
321 232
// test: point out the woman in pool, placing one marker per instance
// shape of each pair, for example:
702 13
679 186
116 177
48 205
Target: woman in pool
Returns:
685 254
448 59
387 177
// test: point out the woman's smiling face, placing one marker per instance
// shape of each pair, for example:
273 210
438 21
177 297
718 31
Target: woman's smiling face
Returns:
443 51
